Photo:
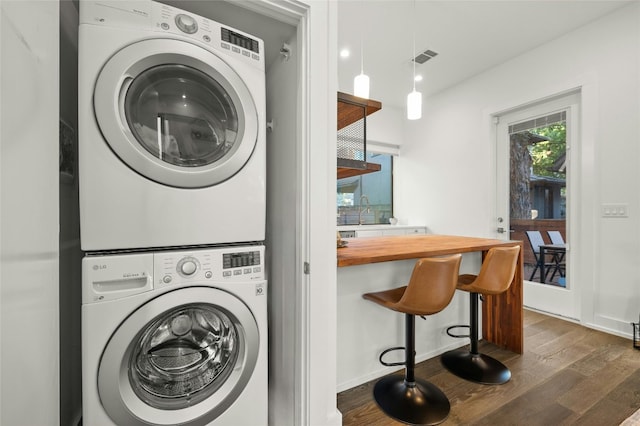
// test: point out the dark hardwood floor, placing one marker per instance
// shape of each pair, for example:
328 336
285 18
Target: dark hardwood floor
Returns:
568 375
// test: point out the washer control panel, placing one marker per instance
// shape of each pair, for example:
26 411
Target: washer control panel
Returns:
228 264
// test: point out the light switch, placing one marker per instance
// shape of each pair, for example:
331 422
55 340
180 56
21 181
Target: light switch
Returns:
615 210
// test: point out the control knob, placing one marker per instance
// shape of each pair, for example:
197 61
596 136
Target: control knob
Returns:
188 266
186 23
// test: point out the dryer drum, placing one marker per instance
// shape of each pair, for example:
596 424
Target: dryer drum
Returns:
184 354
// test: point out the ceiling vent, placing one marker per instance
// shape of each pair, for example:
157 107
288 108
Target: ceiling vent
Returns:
423 57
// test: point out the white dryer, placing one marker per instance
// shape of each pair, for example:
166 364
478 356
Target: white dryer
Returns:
171 130
175 338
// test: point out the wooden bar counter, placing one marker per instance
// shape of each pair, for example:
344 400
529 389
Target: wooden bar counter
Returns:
502 322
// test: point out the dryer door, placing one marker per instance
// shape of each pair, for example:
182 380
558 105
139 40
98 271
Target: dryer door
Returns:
179 359
176 113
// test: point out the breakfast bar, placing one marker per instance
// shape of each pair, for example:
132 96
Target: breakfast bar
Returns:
502 318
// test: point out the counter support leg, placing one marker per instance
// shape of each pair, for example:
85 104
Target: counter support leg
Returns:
502 314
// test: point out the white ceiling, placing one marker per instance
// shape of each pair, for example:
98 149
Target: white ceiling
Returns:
470 37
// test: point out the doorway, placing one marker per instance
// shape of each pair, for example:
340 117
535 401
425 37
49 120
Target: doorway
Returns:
534 147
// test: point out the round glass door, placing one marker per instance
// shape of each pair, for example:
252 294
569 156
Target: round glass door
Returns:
181 116
183 356
176 113
178 360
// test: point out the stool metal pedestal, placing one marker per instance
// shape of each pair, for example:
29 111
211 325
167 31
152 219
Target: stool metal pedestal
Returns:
472 365
408 399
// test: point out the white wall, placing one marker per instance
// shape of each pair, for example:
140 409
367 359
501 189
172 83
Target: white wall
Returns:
386 126
446 175
29 363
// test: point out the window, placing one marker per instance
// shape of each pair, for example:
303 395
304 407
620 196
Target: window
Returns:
368 197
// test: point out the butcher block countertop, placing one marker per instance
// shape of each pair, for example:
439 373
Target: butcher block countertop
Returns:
502 321
361 251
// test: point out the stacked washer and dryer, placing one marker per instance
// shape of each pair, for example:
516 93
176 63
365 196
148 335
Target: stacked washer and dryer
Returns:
172 217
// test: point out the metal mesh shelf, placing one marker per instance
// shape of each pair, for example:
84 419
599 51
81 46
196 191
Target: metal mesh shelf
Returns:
352 135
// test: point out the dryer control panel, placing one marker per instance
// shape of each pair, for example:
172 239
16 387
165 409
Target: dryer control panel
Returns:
158 17
221 38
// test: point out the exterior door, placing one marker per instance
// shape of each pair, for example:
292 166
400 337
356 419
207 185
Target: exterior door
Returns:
178 359
530 199
176 113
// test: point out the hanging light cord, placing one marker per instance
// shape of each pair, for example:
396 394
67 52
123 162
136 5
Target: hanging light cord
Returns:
362 42
414 46
361 52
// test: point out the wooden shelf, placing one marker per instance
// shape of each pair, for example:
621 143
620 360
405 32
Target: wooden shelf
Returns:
350 110
347 168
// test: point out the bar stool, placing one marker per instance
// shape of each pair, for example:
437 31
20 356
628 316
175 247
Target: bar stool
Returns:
430 289
496 274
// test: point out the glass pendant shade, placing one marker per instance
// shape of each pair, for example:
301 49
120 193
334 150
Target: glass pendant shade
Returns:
414 105
361 86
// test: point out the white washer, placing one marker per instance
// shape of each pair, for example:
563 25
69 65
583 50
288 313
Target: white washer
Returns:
171 129
175 337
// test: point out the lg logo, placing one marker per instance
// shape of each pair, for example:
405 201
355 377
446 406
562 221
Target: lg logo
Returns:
99 267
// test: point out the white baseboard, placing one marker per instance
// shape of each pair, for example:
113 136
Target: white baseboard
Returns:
612 326
605 324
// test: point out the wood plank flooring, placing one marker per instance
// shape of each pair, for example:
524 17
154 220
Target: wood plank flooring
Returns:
568 374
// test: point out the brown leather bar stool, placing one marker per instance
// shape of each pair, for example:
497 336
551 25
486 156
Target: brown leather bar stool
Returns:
430 289
495 277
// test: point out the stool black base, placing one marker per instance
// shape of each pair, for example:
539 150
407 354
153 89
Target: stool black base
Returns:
417 403
477 368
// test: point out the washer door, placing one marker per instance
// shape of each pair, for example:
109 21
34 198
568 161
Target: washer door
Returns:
181 358
176 113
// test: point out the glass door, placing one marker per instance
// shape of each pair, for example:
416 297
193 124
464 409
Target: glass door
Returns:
534 149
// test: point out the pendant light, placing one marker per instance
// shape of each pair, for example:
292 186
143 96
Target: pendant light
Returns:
414 99
361 82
